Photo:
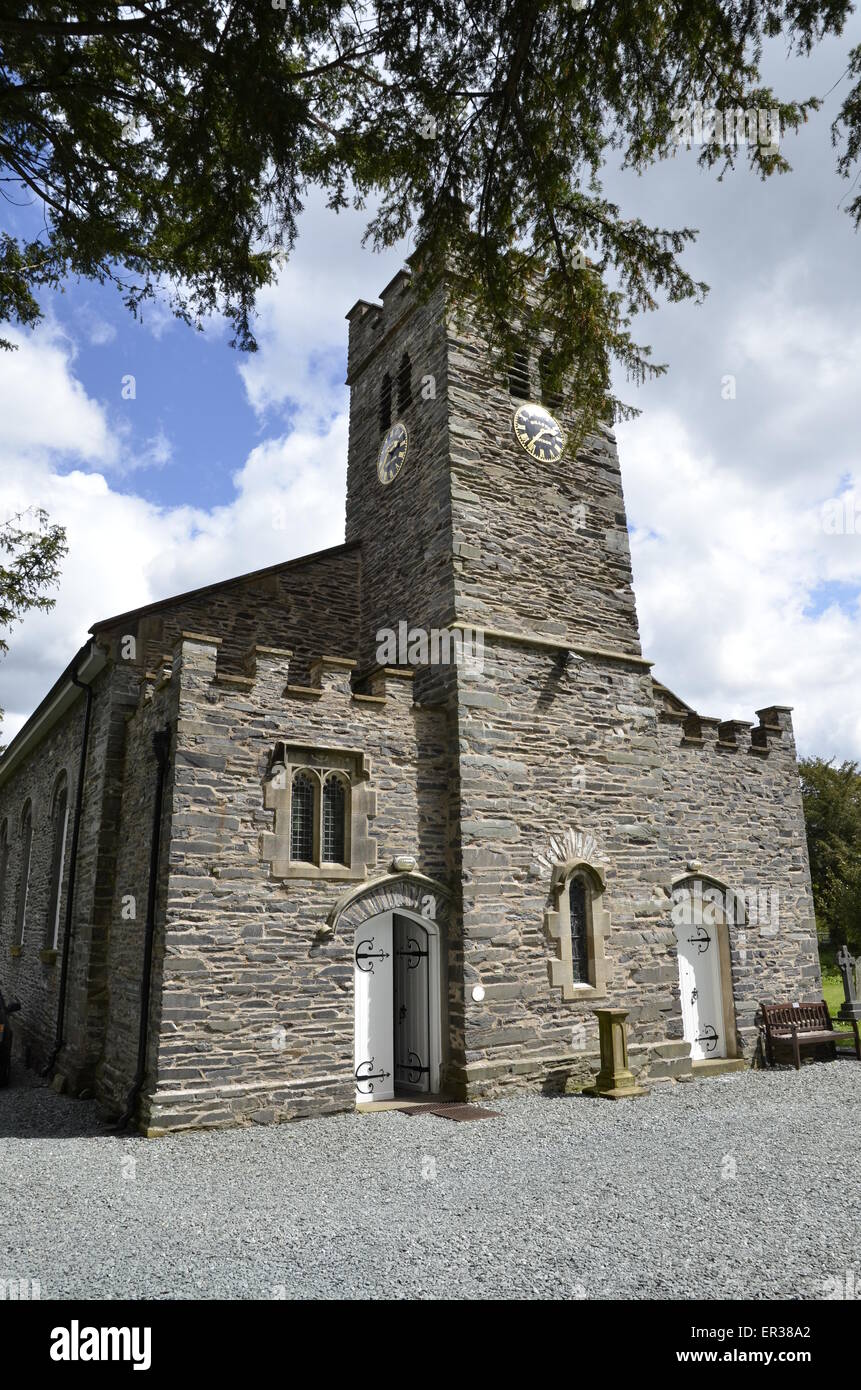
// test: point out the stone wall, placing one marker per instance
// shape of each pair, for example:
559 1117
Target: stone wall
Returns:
130 885
490 779
732 802
256 991
538 547
547 748
31 974
404 527
307 605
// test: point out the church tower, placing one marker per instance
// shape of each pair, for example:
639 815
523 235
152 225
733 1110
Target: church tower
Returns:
474 516
469 507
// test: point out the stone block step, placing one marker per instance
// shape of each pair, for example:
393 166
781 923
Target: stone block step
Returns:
718 1066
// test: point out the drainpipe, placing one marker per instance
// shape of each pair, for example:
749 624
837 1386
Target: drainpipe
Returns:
73 867
161 745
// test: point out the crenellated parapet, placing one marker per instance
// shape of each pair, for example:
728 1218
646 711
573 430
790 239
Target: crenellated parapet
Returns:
724 735
197 662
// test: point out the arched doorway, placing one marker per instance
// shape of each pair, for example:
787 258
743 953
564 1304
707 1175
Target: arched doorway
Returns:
396 927
397 1006
702 911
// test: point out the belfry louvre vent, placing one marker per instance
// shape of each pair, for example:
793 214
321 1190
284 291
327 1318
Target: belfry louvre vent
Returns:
385 403
518 375
405 384
552 399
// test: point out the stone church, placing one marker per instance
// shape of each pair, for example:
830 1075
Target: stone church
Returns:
396 817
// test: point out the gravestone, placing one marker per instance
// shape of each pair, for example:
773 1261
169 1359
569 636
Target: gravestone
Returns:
850 1008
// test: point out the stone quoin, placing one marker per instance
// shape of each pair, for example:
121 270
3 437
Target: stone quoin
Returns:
322 881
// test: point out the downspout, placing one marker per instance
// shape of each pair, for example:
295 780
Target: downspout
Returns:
73 868
161 746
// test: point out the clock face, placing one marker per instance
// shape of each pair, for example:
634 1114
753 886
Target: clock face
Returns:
393 453
539 433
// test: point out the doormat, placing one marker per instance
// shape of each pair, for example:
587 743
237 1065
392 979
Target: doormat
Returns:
453 1110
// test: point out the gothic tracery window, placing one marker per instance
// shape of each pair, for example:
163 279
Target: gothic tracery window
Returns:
334 820
302 818
322 804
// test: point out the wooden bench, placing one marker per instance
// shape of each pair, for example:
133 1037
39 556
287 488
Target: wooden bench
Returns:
789 1028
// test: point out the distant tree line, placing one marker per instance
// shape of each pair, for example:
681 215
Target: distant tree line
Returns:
832 811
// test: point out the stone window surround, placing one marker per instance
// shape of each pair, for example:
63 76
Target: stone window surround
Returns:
319 762
557 924
59 823
25 832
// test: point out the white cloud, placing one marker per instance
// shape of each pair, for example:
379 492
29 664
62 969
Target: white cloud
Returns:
724 566
124 550
729 544
44 407
302 333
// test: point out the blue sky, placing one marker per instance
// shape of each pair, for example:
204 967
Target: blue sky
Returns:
225 462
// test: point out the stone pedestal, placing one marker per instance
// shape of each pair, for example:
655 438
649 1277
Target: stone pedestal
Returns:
614 1081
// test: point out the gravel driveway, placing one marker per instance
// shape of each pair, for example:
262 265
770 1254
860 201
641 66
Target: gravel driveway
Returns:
743 1186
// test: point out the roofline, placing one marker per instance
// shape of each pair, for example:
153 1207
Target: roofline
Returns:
659 685
87 663
222 584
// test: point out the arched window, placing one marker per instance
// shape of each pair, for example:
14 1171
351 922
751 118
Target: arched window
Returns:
518 374
59 825
302 818
405 383
578 922
322 804
385 403
334 820
4 869
578 909
24 880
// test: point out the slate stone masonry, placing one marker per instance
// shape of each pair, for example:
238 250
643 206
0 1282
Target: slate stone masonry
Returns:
561 750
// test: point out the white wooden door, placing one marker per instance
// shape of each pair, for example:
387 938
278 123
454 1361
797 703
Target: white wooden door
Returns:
374 974
700 982
411 1005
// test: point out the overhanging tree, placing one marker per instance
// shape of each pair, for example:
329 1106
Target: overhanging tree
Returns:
174 142
31 552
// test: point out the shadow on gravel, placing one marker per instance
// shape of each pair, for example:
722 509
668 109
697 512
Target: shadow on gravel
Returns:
29 1109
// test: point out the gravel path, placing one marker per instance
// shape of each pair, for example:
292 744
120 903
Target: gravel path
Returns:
560 1197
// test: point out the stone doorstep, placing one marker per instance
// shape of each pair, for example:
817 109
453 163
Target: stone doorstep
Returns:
371 1107
718 1066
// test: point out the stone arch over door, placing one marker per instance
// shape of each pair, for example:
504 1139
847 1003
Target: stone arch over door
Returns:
719 907
408 892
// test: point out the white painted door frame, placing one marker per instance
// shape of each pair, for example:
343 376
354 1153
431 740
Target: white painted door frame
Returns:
701 988
373 974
